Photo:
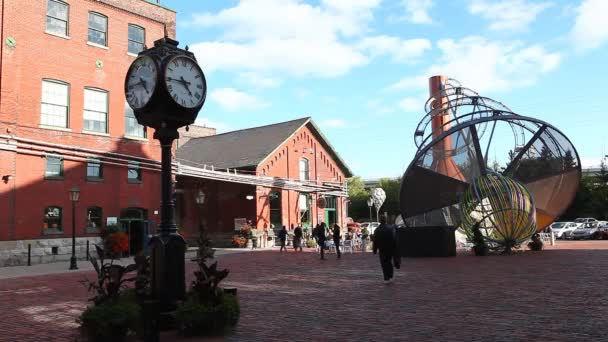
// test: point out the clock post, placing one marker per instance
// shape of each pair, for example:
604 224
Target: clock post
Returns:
166 89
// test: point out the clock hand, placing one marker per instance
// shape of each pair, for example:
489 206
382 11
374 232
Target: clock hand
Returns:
143 83
186 84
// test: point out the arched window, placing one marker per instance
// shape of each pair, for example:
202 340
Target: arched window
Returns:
304 170
53 217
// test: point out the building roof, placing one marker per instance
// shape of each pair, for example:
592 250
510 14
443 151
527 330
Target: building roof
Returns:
247 148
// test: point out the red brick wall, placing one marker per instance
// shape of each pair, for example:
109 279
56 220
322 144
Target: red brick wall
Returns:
284 162
39 55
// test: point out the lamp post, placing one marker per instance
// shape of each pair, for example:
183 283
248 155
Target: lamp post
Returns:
200 200
370 202
74 196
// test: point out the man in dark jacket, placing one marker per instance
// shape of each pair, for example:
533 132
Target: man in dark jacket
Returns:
321 237
385 240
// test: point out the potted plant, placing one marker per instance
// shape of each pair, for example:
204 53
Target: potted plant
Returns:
480 248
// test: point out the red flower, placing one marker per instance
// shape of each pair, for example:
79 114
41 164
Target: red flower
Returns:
118 243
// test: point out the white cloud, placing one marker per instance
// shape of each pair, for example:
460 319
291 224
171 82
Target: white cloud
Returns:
401 50
259 80
412 104
333 123
587 162
417 11
510 15
287 36
231 99
484 65
591 27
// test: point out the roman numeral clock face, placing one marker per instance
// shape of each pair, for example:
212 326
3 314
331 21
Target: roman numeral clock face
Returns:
141 82
185 82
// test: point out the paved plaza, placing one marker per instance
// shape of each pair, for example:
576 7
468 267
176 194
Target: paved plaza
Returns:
555 295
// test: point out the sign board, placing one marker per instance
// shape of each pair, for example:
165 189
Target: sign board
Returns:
239 223
111 221
321 203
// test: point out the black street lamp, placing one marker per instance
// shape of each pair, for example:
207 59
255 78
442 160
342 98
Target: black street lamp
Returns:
200 200
74 196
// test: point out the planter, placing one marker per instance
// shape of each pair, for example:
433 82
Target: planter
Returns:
480 250
249 243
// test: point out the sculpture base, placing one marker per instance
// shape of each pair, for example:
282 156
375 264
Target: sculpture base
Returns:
427 241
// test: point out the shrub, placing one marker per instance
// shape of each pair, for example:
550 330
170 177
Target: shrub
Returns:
117 243
311 243
112 320
199 318
239 241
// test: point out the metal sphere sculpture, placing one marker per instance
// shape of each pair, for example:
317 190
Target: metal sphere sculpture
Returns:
464 138
501 208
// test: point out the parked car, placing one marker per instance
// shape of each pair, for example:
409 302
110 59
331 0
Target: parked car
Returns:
561 230
371 226
589 230
585 220
602 227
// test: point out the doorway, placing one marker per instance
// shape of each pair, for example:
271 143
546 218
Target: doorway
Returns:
133 222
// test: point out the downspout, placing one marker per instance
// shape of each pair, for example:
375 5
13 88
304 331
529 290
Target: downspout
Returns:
288 192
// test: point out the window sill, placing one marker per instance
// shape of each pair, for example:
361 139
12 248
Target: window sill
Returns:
57 178
91 230
95 133
132 54
58 35
135 138
52 231
134 181
98 46
55 128
95 179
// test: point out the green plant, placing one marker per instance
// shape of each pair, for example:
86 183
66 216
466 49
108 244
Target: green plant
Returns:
536 244
112 320
311 243
197 318
480 248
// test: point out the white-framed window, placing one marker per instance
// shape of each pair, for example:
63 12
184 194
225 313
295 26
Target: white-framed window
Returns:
134 172
132 127
95 110
54 103
304 169
57 17
137 38
54 166
98 28
94 168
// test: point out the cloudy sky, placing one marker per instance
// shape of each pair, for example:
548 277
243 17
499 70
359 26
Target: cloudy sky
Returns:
360 68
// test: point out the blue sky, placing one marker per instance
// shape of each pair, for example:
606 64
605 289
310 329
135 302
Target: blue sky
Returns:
359 68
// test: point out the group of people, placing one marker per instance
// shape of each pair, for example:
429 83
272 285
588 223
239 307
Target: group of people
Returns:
384 242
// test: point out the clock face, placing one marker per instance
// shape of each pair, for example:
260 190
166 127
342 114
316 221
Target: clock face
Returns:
185 82
141 82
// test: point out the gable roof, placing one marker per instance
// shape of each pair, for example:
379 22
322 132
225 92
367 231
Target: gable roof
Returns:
247 148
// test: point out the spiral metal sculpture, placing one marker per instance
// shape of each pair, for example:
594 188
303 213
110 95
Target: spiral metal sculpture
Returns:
501 208
454 140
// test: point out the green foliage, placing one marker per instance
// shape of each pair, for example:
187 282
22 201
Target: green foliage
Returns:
392 188
479 243
111 320
311 243
197 318
591 199
358 196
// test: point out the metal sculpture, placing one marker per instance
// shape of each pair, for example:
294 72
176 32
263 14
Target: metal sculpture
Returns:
501 208
454 141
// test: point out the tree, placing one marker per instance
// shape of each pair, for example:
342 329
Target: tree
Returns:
392 188
357 208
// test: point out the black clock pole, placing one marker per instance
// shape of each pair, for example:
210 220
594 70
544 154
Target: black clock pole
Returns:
168 248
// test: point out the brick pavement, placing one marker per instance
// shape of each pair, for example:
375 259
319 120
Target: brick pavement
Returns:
556 295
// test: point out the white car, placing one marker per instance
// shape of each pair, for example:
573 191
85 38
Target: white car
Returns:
562 229
585 220
371 226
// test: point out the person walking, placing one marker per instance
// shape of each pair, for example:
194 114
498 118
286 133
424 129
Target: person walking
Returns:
297 239
385 241
337 236
364 237
283 238
321 238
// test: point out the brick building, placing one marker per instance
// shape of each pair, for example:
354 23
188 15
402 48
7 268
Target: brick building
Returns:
64 122
289 151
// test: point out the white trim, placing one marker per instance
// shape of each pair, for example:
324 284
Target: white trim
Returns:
55 128
56 34
132 54
98 45
135 138
95 133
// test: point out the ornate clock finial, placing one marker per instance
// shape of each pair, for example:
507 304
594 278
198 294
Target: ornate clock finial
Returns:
187 48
